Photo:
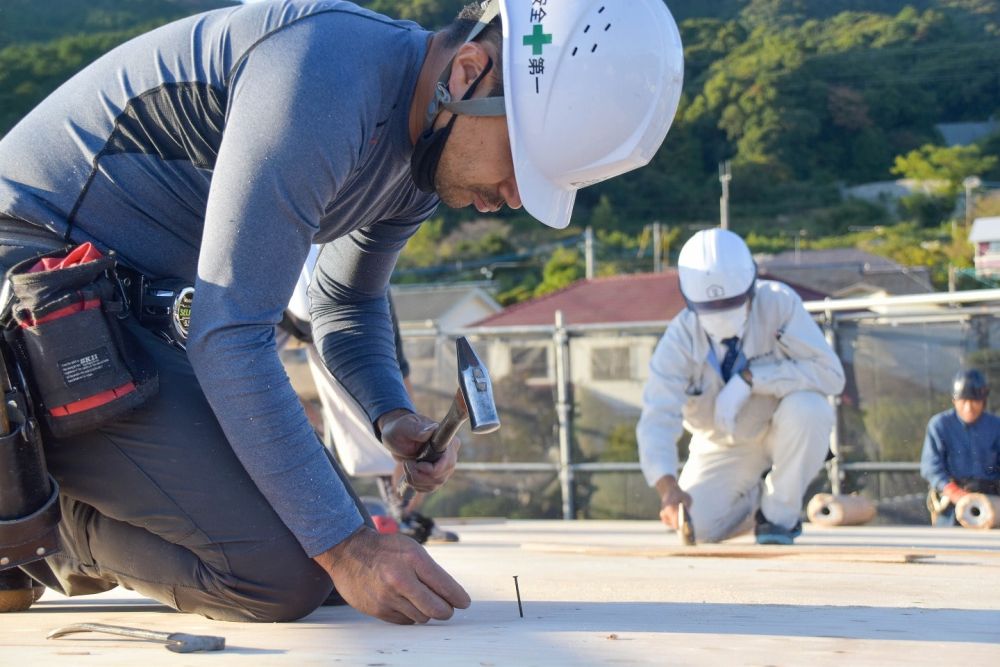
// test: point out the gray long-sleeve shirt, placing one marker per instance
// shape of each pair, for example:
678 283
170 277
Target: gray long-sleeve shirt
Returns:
216 149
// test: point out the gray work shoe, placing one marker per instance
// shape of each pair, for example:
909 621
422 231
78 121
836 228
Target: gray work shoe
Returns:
771 533
423 529
439 534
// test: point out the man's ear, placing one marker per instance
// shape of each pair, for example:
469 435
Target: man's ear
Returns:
469 62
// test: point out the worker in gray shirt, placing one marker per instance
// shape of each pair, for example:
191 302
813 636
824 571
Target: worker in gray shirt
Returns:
212 152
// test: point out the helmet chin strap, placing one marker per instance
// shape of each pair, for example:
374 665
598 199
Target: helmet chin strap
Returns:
430 144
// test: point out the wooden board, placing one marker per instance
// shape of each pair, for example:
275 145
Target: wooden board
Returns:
808 553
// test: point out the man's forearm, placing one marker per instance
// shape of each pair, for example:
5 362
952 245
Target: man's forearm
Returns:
329 558
666 484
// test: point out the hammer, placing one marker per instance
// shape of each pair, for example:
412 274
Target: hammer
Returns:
473 402
685 529
178 642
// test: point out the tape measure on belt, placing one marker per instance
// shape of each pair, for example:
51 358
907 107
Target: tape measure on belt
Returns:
162 305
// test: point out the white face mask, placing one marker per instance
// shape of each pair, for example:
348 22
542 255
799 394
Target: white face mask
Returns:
725 323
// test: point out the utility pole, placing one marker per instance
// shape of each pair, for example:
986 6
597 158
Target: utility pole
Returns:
798 252
725 175
588 251
657 249
970 183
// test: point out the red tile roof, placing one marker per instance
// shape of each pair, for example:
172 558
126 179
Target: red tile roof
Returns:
639 297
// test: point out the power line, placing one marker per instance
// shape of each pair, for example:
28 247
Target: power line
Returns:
461 265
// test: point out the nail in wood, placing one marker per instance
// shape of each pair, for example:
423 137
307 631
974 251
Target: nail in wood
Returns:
518 591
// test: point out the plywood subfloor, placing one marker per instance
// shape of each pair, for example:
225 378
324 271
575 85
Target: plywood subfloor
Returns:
610 593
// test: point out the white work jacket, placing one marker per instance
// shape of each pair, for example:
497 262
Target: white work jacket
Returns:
785 351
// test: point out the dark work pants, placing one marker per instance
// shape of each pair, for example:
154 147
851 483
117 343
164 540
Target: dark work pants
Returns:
158 503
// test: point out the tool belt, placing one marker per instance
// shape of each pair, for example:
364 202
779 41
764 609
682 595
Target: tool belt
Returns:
29 495
163 306
63 315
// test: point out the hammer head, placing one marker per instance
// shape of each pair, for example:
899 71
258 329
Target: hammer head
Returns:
477 390
180 642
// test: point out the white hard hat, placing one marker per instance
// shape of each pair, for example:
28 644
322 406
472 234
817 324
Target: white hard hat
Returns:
716 271
590 87
590 90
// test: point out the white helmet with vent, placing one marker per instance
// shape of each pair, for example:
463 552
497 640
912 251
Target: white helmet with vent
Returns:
717 271
590 90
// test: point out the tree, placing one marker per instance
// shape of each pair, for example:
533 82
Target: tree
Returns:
424 247
603 215
485 237
987 207
24 21
801 96
945 167
563 269
432 14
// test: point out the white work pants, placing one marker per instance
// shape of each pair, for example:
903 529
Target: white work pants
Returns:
725 480
347 428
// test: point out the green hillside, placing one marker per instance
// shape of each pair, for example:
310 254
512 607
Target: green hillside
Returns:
802 97
43 43
44 20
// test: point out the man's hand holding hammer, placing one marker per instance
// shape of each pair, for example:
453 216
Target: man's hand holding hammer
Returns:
406 435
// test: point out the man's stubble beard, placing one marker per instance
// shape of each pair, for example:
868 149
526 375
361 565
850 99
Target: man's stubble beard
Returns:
455 196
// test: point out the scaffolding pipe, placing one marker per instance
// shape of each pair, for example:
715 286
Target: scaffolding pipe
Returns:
833 467
560 339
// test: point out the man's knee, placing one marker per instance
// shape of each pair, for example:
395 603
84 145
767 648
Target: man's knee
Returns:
802 421
716 519
806 409
714 529
299 597
277 597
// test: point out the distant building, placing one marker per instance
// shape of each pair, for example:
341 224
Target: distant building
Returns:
888 193
436 308
985 236
444 307
846 273
965 134
641 297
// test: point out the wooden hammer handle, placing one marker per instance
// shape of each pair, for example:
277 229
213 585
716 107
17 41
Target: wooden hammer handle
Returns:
458 413
446 430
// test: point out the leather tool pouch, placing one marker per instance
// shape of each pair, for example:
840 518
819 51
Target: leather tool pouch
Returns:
65 325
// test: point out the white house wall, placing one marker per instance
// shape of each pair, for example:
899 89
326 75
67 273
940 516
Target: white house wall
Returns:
469 309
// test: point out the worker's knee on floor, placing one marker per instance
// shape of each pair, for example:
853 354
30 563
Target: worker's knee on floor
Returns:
711 523
720 505
704 536
285 607
807 408
711 530
297 598
288 596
